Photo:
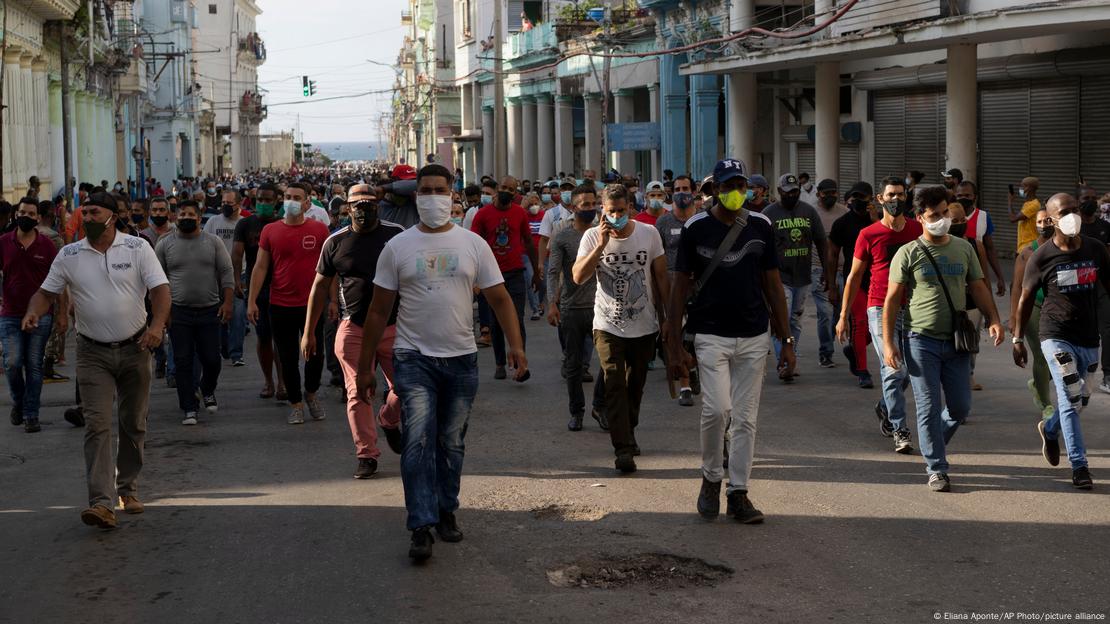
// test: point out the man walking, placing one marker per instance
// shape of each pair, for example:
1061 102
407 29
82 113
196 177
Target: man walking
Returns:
351 254
223 226
109 274
824 286
1096 228
842 240
201 286
728 262
434 267
670 227
1026 217
248 231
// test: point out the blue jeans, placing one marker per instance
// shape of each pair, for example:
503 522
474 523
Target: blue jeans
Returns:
825 323
796 304
941 380
232 334
1066 417
893 380
195 335
436 395
23 358
517 287
533 294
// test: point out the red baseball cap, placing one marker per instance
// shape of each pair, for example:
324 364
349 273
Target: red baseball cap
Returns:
403 172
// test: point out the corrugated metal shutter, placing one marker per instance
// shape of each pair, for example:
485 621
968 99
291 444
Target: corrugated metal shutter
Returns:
889 117
1054 135
925 125
1094 125
849 166
807 160
512 17
1003 154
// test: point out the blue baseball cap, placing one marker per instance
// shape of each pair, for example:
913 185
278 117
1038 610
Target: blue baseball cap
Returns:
758 180
728 169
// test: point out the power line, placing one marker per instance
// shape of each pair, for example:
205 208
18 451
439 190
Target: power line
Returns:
341 39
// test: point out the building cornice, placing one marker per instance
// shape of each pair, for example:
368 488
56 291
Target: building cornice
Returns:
51 9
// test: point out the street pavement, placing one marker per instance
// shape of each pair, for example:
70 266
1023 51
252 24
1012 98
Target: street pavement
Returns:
249 519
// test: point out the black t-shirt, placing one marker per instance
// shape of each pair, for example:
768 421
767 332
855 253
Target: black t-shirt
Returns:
354 258
731 303
844 232
1070 282
1097 229
248 231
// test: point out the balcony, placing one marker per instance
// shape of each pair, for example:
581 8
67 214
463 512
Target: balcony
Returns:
406 17
251 108
539 39
252 50
134 80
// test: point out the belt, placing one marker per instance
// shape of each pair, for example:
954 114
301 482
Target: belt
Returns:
118 343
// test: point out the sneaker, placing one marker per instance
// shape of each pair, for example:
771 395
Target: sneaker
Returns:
17 415
599 416
1105 385
54 377
625 463
367 466
885 428
131 505
536 316
902 442
296 417
826 361
448 528
686 397
575 423
281 396
1050 449
976 386
741 508
171 381
709 499
99 516
1048 412
393 439
939 482
587 377
190 418
315 409
499 373
75 416
651 365
865 381
695 382
31 426
421 547
239 362
210 404
1081 478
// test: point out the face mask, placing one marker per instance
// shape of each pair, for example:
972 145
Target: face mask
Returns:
211 191
683 200
365 214
292 207
1088 208
618 223
733 200
894 208
504 199
908 181
25 223
656 204
534 209
457 220
264 211
789 201
1047 231
958 229
1069 225
434 210
187 226
118 187
159 221
486 199
750 195
566 197
939 227
94 229
137 219
967 203
1021 193
828 201
228 210
858 205
546 198
587 215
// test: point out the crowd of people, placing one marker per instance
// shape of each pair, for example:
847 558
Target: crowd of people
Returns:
412 272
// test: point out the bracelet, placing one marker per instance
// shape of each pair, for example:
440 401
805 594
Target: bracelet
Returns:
1017 340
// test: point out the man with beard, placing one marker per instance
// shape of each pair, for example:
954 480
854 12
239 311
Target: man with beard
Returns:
952 178
248 231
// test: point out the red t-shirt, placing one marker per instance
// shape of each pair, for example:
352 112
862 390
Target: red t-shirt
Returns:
876 246
24 270
534 221
504 230
646 217
294 252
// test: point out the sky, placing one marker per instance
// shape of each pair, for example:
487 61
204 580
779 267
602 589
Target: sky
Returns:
329 41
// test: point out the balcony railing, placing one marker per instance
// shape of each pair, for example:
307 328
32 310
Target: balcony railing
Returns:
541 37
253 46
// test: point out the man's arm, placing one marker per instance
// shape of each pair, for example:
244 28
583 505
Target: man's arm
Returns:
775 295
832 258
38 305
851 289
160 312
1024 311
502 305
893 304
992 258
585 266
662 281
681 285
317 297
533 255
258 275
227 279
377 316
237 250
984 300
981 252
554 279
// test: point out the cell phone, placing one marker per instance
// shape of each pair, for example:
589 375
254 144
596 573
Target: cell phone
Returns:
1011 186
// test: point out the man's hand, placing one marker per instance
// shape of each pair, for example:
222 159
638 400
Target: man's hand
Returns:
1001 289
605 230
239 290
366 385
308 345
252 312
333 312
61 324
842 330
152 337
553 317
1021 356
518 361
537 282
30 321
892 356
787 361
224 313
997 332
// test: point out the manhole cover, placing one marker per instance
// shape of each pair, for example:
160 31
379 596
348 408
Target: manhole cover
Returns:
656 570
8 459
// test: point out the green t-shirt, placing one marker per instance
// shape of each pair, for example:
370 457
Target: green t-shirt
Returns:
927 312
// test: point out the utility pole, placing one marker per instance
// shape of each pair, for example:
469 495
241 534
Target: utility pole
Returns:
3 51
499 136
608 64
67 116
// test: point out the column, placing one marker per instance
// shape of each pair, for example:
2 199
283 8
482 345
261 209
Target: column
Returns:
465 120
673 122
653 105
593 158
27 106
528 141
545 136
625 160
57 141
72 138
826 130
42 122
476 108
741 97
487 142
10 68
564 134
741 16
80 156
960 115
704 98
512 136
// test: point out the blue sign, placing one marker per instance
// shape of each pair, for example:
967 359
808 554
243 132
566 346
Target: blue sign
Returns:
633 137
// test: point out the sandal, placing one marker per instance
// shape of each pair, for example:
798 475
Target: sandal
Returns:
282 395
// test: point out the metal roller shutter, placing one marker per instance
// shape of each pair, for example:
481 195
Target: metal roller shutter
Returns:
1094 153
889 116
807 160
1003 154
924 135
1054 135
849 167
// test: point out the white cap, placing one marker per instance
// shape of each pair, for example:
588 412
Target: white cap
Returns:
654 185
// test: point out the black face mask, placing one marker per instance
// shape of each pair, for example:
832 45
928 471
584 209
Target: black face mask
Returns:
1047 231
228 210
828 201
958 229
365 215
967 203
789 201
682 200
586 216
159 221
25 223
858 205
1088 208
137 218
187 226
895 208
504 199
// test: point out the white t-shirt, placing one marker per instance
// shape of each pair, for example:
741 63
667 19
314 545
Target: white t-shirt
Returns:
625 301
315 212
552 216
108 290
224 229
468 218
435 275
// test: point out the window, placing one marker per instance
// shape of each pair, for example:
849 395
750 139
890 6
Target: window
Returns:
211 9
465 19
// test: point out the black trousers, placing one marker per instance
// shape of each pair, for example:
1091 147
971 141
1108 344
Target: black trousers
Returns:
288 325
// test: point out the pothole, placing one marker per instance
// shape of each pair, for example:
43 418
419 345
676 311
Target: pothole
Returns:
654 570
8 459
568 513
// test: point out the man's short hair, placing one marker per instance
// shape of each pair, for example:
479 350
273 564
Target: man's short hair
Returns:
28 200
1031 181
188 203
969 183
891 181
238 196
614 192
434 170
916 176
299 185
267 186
142 203
925 198
46 208
472 189
582 189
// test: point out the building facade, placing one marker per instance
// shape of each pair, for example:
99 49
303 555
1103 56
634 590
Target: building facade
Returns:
426 101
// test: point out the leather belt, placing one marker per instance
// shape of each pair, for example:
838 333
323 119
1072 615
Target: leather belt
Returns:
118 343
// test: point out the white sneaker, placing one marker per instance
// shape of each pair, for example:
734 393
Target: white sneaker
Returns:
1105 385
315 409
190 418
296 417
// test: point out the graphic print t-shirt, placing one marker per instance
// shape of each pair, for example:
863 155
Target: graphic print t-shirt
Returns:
876 246
503 230
1070 282
796 230
625 303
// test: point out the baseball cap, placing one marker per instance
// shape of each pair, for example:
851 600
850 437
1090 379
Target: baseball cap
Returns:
403 172
571 182
728 169
789 182
828 184
953 173
654 185
360 192
758 180
862 188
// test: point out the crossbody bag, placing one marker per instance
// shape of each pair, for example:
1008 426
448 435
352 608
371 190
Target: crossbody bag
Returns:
964 332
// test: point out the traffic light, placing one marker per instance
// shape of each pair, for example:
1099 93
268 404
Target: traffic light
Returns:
304 85
312 87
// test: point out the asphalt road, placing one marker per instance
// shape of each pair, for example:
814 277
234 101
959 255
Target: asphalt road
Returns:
252 520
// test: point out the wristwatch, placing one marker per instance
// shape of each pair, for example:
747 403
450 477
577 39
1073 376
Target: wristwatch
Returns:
788 340
1017 340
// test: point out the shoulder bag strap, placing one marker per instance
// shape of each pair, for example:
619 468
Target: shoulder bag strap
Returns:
940 277
730 238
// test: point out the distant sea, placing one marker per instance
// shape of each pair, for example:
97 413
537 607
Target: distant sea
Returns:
352 150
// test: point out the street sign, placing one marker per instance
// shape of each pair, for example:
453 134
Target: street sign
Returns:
631 137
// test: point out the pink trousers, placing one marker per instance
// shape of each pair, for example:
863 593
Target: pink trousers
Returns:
360 414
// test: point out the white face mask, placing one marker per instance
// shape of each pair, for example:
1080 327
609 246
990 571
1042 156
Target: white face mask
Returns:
534 209
434 210
292 207
939 227
1069 225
